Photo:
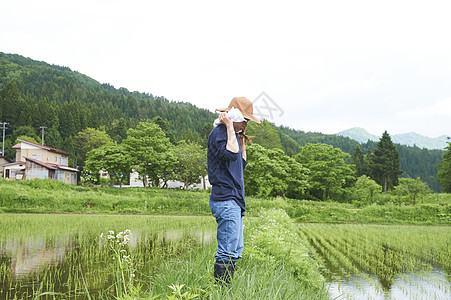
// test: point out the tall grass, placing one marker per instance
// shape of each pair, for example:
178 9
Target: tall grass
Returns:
271 268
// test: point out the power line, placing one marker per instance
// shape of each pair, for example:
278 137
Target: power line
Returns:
42 129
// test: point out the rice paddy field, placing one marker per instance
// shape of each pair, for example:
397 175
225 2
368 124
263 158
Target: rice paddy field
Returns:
383 261
87 256
73 256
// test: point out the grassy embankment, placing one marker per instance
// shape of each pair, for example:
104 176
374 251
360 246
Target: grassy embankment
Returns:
44 196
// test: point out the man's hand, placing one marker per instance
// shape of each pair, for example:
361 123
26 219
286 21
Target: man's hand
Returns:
232 143
225 119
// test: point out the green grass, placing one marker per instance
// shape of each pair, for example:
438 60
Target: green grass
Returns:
254 279
271 268
46 196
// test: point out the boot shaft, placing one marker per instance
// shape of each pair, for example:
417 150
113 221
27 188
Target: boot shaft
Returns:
223 272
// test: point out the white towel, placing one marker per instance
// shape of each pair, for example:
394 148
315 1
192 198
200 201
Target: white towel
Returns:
234 114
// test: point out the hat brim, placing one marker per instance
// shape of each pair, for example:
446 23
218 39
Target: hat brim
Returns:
247 116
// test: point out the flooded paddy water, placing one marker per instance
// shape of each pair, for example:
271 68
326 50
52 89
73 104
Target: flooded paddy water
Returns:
73 256
383 261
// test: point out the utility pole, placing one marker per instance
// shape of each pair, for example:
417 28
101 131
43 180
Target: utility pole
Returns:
42 129
3 147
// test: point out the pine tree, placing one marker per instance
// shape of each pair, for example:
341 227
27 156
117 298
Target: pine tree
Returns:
358 161
444 170
368 164
10 103
386 163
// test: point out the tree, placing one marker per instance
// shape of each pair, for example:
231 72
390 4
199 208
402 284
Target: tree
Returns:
328 169
192 163
165 126
118 130
10 102
89 139
368 164
358 160
264 134
364 189
26 133
270 173
386 163
444 170
112 158
153 154
412 188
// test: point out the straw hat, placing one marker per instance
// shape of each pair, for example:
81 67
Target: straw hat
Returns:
244 105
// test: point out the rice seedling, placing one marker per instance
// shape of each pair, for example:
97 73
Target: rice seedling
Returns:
390 259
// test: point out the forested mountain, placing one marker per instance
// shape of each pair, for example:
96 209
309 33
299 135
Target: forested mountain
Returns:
35 94
408 139
38 94
358 134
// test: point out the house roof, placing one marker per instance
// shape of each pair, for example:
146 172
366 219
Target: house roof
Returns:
14 163
51 166
42 164
18 146
7 159
67 168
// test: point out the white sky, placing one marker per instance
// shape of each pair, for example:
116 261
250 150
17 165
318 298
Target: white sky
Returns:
327 65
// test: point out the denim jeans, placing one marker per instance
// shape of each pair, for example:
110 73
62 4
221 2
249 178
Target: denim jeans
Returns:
229 231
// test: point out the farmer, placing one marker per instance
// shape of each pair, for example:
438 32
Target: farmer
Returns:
226 159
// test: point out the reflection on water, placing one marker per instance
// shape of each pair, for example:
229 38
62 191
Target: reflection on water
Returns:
383 262
26 264
25 257
430 285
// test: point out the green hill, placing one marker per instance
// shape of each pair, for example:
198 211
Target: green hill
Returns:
358 134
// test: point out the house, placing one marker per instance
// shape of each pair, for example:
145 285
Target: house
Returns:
3 161
38 161
136 181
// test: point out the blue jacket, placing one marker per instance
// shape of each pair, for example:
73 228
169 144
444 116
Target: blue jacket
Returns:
225 168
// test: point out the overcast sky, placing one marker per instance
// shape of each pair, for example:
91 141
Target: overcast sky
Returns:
324 66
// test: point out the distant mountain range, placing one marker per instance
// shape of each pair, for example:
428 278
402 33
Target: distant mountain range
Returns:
410 139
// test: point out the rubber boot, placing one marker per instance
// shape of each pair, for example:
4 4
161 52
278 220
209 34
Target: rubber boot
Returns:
223 272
